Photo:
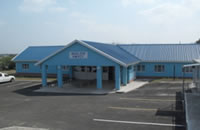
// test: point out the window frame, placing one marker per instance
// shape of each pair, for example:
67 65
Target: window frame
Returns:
159 68
25 66
65 68
187 70
140 68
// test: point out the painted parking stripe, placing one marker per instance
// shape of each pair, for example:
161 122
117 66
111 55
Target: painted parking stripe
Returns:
9 83
24 83
153 100
31 85
138 109
133 109
139 123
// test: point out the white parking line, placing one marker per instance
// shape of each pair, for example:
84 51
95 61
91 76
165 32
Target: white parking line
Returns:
139 123
35 84
133 109
18 84
153 100
22 128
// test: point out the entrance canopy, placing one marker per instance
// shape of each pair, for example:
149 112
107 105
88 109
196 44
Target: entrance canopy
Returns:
90 55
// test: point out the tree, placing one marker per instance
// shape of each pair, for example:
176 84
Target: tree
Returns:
198 41
6 63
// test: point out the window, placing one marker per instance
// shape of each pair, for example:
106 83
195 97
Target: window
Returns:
83 68
94 69
6 75
88 69
140 68
135 67
0 75
77 68
105 69
65 68
25 66
159 68
187 70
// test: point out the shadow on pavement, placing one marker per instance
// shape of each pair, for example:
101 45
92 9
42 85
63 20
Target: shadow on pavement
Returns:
30 92
176 111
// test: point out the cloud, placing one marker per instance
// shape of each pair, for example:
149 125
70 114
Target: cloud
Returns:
171 12
58 9
40 6
166 13
98 30
126 3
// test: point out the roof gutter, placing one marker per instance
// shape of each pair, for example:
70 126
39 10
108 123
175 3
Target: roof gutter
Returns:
191 65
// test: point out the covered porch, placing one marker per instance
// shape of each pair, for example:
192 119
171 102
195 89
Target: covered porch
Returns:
91 61
97 77
89 88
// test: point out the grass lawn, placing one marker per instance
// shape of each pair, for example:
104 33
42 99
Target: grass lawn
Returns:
25 78
171 79
8 71
34 78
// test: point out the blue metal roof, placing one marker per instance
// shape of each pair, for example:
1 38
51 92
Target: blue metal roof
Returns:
36 53
125 53
164 52
114 51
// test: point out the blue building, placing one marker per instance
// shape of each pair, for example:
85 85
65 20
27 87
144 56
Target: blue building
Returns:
121 63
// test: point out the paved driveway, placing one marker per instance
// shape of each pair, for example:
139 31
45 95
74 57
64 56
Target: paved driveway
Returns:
156 106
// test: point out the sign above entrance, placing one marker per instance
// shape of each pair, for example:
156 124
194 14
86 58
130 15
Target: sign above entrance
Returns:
78 55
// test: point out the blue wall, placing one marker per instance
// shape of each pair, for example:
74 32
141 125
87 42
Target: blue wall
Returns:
94 59
36 69
80 59
32 67
169 70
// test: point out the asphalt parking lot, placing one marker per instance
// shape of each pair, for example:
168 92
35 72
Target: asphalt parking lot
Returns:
156 106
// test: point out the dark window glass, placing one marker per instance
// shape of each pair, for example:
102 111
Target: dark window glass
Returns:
159 68
25 66
187 70
140 68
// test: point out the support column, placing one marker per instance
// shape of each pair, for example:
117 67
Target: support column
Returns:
124 77
44 76
59 76
70 72
117 77
128 76
99 77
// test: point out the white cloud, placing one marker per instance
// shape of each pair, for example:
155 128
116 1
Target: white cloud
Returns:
167 13
58 9
99 31
192 3
172 12
126 3
40 5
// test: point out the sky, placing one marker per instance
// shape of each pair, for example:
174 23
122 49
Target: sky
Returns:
26 23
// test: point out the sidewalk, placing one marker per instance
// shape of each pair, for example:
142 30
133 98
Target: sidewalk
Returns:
132 86
90 88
